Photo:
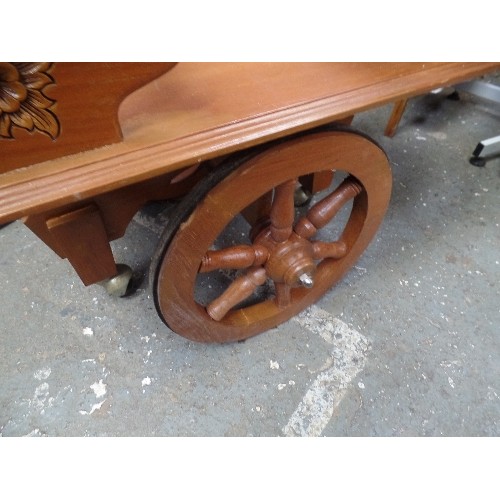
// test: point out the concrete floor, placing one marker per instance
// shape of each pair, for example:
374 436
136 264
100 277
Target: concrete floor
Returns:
407 345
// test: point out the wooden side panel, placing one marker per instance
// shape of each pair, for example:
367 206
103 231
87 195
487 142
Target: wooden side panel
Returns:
48 110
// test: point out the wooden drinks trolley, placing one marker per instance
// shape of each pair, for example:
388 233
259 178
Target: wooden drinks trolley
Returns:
83 146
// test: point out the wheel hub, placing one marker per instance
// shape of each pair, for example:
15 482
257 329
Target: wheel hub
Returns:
290 262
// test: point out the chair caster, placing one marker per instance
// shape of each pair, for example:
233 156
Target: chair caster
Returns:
118 286
477 161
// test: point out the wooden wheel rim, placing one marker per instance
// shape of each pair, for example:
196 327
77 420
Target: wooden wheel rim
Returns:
323 150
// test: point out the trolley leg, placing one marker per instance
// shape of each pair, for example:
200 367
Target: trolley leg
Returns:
80 236
395 117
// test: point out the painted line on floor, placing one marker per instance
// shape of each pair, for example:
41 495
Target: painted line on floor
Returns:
346 360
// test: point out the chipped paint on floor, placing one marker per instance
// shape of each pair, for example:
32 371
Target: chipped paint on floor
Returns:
348 353
99 389
95 407
42 374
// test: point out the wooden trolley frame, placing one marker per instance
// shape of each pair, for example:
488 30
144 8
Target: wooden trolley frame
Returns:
83 146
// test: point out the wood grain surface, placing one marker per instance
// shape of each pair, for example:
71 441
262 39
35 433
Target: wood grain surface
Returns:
199 111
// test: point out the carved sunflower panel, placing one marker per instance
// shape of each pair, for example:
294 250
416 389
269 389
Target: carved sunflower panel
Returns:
23 103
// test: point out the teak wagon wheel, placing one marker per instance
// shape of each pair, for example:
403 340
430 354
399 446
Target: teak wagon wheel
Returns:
285 259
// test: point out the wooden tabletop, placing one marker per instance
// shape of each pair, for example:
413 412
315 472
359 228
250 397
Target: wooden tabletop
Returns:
199 111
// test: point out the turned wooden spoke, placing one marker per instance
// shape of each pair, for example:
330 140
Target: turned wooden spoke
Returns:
240 289
236 257
333 250
283 211
324 211
283 295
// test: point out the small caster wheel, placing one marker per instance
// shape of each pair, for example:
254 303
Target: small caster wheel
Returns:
302 197
119 285
477 161
454 96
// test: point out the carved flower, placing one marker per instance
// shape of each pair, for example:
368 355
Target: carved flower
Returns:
22 101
